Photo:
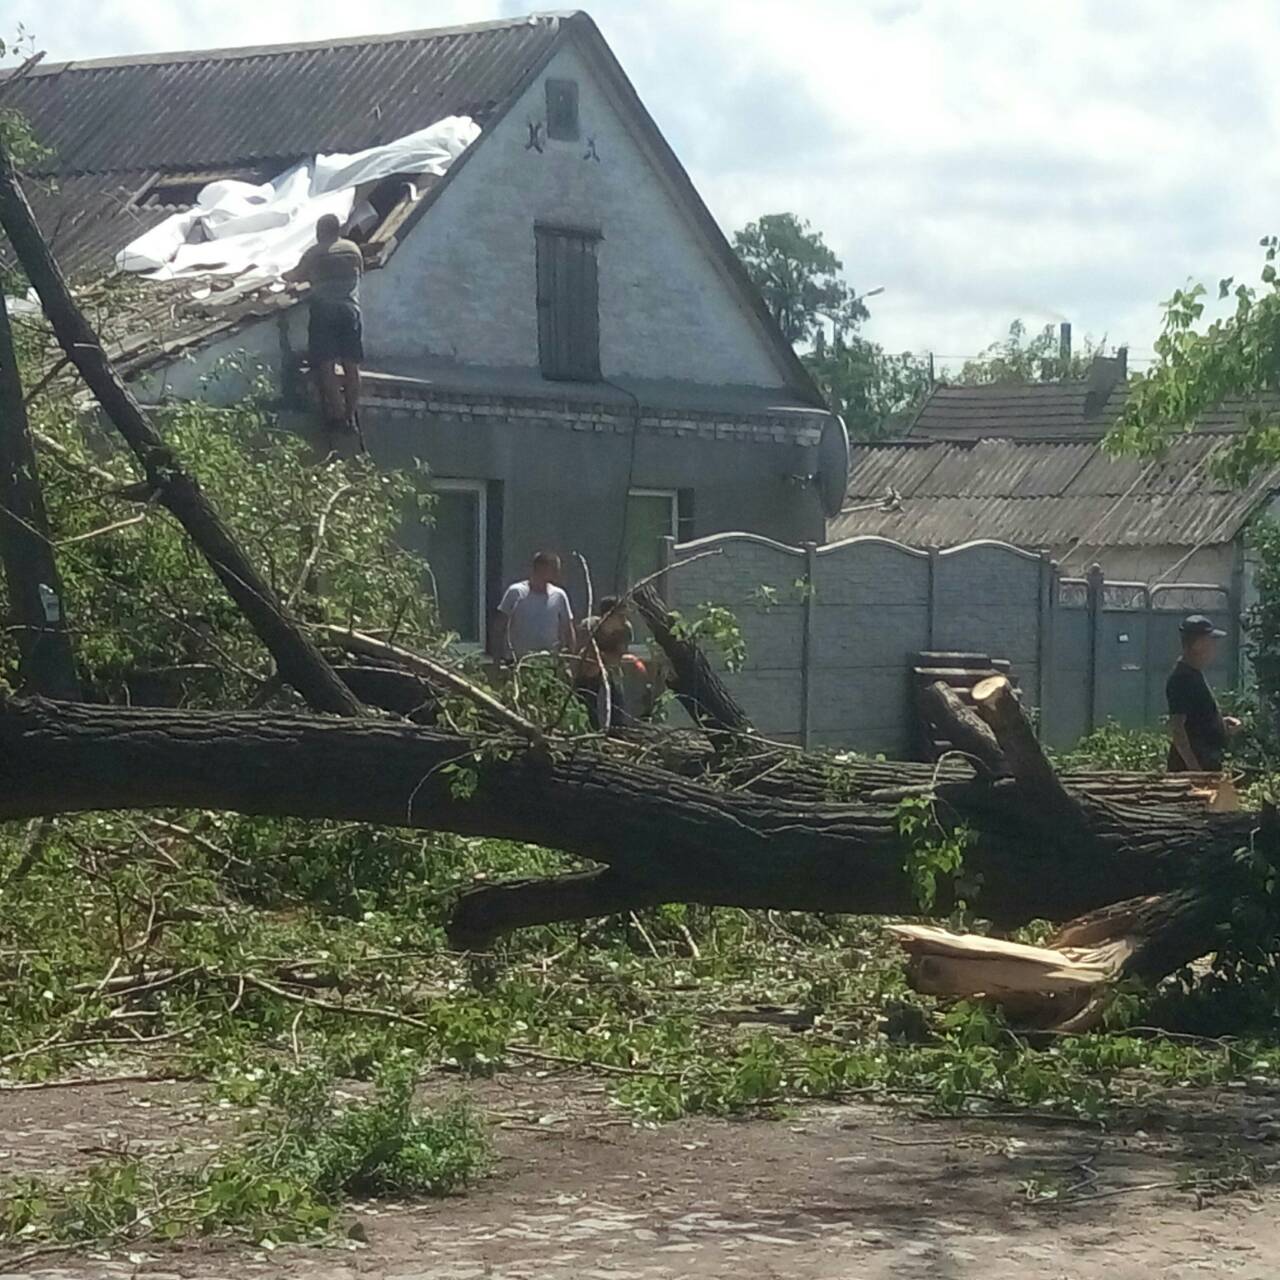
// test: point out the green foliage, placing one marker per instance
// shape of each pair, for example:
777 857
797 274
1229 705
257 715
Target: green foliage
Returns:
1111 746
16 135
933 850
872 390
383 1146
801 281
282 1179
1262 619
1023 358
151 621
798 275
713 627
1234 357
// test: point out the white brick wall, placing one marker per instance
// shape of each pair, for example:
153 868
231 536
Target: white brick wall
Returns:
462 286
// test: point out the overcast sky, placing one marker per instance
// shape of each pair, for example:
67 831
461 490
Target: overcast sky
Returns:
978 159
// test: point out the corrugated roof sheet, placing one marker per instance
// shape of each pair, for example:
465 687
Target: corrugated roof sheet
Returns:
1084 408
1047 494
113 125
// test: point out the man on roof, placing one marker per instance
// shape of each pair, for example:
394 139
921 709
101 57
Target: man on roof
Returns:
333 267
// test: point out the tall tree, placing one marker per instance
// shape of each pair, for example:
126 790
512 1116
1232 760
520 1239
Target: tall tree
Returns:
799 276
1025 357
1234 358
872 390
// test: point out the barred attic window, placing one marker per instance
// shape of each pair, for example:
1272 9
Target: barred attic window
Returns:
562 110
568 304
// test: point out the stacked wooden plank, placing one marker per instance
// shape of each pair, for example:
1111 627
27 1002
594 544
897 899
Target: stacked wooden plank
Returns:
960 671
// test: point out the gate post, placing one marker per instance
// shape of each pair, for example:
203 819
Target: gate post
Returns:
806 642
932 624
1096 585
1044 639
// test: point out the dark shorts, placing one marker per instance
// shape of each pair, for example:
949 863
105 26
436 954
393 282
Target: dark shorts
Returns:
1209 758
335 332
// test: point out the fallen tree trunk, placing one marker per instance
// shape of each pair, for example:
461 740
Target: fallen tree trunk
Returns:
664 837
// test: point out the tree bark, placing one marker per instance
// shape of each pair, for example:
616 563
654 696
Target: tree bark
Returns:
943 708
37 602
700 691
488 911
997 704
670 838
298 660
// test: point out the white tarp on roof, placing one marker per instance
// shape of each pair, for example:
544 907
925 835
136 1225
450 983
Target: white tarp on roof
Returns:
257 233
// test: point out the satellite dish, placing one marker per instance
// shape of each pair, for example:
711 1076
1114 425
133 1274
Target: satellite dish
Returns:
832 476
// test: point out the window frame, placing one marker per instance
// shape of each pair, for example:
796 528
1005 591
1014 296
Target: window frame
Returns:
673 496
673 505
453 484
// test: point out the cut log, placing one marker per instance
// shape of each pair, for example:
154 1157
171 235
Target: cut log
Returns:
1065 984
972 966
943 709
997 704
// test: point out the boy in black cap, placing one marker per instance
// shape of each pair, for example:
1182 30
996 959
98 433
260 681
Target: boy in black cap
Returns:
1199 731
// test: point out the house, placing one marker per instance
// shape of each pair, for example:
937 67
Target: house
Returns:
555 326
1025 464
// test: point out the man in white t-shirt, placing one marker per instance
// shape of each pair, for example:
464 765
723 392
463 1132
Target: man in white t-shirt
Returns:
534 615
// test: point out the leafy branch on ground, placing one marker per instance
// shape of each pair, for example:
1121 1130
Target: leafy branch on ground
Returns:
283 1178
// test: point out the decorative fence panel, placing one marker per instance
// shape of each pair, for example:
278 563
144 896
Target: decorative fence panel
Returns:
831 633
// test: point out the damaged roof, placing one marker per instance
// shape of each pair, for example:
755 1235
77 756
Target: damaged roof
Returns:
123 131
127 134
1047 494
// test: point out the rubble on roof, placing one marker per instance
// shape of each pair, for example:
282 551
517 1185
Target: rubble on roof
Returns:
256 232
247 113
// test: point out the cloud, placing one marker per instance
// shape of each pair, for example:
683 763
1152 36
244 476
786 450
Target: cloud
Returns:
979 160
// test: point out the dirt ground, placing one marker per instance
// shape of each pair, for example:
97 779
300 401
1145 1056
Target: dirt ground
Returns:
827 1192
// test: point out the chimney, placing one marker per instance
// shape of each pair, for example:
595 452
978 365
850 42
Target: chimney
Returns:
1064 348
1106 373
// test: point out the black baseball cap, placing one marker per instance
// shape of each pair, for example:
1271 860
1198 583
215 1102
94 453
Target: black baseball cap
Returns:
1198 625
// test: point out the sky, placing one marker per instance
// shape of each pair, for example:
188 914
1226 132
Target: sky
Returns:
978 160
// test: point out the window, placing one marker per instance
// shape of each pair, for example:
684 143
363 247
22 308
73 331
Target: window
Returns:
457 555
562 110
568 304
652 514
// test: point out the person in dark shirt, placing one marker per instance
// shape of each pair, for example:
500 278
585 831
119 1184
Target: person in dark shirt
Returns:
1197 729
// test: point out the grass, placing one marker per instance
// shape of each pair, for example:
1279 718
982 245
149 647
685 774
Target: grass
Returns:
283 1178
275 959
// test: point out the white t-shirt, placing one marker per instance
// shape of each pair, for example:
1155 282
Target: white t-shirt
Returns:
536 618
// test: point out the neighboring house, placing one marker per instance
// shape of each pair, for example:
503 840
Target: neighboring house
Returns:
1025 464
556 327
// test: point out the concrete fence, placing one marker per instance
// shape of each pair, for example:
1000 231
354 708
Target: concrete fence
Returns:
832 632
